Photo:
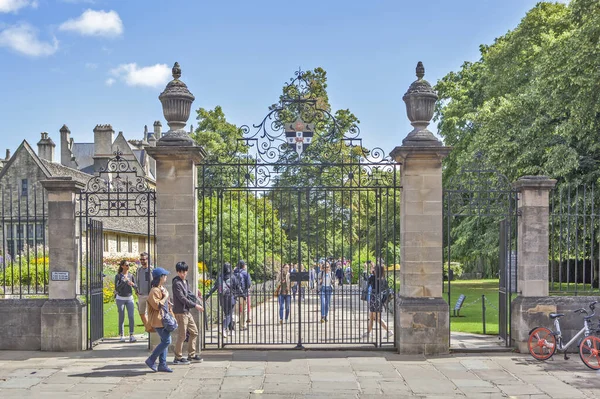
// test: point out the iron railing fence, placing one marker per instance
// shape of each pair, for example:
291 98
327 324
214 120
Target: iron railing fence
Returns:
24 264
574 247
304 227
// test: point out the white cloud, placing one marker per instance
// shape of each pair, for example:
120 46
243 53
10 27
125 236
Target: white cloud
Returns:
95 23
15 5
23 39
150 76
109 82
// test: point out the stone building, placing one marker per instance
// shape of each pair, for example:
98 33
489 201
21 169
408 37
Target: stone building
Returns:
23 201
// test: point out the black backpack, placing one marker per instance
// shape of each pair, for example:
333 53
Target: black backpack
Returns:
237 286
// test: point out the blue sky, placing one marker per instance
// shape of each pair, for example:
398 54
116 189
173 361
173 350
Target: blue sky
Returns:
88 62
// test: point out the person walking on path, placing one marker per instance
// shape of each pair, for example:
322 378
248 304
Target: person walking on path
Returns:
348 273
283 292
242 296
124 286
378 284
295 284
326 284
226 299
158 301
312 277
183 301
339 274
143 278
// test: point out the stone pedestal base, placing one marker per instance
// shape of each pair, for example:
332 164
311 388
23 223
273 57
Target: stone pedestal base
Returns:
531 312
64 326
422 326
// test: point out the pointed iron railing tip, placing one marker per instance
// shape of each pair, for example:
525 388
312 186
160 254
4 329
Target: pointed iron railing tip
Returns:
176 70
420 70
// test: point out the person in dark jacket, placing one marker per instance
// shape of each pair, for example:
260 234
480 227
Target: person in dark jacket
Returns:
124 286
183 301
242 296
226 298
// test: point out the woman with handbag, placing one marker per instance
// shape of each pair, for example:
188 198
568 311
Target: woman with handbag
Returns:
124 286
378 285
160 319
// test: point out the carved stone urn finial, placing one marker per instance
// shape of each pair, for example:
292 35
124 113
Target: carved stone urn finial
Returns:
420 70
176 101
420 101
176 71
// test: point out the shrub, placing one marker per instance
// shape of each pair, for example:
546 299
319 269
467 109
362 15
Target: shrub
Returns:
25 274
457 269
108 291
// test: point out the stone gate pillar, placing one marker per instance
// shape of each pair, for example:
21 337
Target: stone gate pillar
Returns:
64 324
531 307
176 156
422 315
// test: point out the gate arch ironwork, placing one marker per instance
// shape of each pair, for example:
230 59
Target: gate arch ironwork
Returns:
482 194
118 198
301 189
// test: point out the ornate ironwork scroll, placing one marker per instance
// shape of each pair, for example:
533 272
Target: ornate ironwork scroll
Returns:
117 190
298 136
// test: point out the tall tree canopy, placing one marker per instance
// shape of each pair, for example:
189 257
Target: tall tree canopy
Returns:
531 103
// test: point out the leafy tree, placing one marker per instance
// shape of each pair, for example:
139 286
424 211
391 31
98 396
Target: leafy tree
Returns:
531 104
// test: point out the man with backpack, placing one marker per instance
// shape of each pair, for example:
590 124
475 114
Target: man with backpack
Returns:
241 285
183 301
224 284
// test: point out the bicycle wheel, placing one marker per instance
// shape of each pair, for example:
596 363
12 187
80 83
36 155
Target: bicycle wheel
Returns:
589 352
541 343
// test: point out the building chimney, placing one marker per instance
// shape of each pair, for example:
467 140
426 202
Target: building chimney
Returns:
7 155
66 147
103 140
157 130
46 147
145 139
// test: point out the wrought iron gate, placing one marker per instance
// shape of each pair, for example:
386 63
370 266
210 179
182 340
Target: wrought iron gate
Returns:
116 206
301 192
480 205
94 280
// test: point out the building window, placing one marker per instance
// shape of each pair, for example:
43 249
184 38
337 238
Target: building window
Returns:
129 244
141 245
24 188
118 243
106 247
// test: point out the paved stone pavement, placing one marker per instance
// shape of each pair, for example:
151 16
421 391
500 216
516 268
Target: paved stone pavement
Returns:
346 323
115 370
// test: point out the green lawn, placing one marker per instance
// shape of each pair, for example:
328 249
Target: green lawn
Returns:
111 321
470 319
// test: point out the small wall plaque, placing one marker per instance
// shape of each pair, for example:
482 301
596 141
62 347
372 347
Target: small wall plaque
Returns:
59 276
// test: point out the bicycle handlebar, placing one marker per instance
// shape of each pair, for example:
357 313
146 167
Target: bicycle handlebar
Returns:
593 305
581 310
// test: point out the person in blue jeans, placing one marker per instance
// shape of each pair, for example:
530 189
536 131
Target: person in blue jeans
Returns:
326 284
284 290
158 299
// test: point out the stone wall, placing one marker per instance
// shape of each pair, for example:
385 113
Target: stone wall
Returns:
21 327
531 312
